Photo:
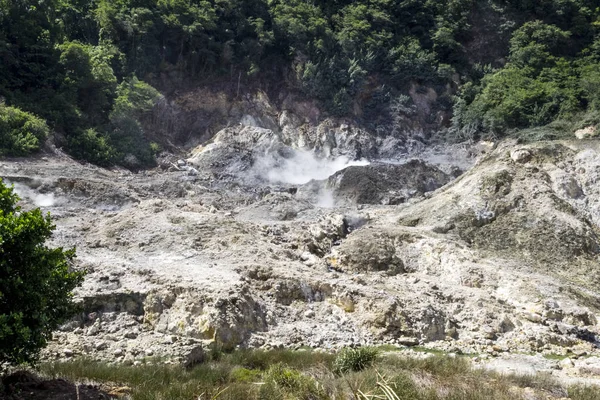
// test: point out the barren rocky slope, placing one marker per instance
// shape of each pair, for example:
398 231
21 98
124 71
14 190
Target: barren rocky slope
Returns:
238 246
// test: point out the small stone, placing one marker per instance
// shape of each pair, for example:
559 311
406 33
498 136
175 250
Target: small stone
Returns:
149 352
309 314
566 363
195 356
93 330
131 335
521 156
586 133
565 329
100 346
68 352
309 259
118 352
579 353
533 317
407 341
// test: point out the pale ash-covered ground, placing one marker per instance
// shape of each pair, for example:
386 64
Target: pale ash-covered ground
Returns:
500 260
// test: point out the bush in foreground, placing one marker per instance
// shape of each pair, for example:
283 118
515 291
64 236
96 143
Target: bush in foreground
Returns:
355 359
36 282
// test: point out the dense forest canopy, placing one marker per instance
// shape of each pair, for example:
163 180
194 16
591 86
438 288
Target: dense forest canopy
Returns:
83 69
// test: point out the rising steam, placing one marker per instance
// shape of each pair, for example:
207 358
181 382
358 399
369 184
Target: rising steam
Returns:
39 199
299 167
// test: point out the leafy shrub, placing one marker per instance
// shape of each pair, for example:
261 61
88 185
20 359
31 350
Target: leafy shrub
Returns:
245 375
127 138
36 282
281 382
355 359
92 146
20 132
89 80
134 100
411 62
535 44
590 83
134 97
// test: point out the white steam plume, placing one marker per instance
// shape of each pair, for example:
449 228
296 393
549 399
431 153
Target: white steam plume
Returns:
301 167
39 199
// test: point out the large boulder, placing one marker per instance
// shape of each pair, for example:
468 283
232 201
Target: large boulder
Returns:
387 184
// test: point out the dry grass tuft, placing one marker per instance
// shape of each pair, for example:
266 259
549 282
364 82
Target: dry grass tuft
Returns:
308 375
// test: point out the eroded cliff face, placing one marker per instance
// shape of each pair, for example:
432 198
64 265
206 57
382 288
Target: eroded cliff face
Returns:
191 118
267 237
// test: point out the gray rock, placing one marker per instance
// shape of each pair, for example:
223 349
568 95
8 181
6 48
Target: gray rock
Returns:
130 335
196 356
521 155
566 363
101 345
533 317
407 341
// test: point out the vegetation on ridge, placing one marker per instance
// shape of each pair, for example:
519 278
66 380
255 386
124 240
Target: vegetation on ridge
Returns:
496 65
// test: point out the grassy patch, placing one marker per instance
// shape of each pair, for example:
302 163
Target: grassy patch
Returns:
584 393
282 374
556 357
389 348
355 359
421 349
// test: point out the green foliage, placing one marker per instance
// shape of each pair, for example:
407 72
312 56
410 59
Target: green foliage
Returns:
355 359
89 79
543 82
392 376
515 64
92 146
590 85
134 97
36 282
410 62
582 392
127 137
244 375
535 45
282 382
20 132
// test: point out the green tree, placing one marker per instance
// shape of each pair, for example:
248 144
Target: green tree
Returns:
89 80
135 99
36 281
20 132
536 45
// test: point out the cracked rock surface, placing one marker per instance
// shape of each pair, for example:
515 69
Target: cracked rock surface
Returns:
501 259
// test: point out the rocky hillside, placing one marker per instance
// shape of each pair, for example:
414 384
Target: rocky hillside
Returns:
488 249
